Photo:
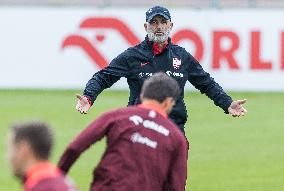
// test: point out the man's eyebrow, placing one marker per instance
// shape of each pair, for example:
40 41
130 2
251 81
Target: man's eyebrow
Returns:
162 19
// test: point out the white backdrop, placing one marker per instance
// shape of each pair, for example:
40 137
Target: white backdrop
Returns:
63 47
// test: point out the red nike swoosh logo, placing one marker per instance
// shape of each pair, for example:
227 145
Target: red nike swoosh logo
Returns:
143 64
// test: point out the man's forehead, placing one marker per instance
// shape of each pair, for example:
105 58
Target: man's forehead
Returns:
158 17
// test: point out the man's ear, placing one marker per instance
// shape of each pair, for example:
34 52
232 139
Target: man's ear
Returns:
22 148
25 147
169 103
172 24
145 26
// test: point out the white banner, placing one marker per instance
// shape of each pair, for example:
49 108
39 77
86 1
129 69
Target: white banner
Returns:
63 47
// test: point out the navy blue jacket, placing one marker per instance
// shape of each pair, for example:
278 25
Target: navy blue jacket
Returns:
138 63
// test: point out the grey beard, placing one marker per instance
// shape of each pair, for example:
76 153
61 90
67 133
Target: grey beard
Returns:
158 39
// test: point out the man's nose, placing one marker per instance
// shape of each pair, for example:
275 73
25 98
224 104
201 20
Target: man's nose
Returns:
159 26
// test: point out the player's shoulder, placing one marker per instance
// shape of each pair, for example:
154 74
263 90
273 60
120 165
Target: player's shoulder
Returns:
136 110
174 129
183 53
135 49
119 112
178 48
130 51
161 120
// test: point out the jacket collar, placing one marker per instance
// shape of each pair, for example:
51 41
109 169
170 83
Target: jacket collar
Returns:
153 106
38 172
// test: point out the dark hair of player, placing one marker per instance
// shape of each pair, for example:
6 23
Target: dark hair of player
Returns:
159 87
37 134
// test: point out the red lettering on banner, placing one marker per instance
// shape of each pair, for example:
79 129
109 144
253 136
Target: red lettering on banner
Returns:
219 53
255 61
186 34
282 51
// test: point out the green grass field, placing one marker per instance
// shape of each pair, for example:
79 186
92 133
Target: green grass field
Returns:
226 153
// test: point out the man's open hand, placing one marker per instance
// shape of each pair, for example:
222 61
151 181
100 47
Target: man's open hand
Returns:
83 104
236 108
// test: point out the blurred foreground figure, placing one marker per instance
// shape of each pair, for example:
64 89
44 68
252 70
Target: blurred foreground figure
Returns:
28 148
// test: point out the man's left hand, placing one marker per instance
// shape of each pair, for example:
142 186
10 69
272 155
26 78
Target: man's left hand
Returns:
236 108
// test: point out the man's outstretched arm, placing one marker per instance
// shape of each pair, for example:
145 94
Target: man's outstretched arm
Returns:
101 80
207 85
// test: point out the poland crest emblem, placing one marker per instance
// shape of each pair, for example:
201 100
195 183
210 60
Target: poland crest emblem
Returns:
176 63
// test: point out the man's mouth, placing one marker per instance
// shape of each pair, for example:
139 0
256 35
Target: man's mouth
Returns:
159 33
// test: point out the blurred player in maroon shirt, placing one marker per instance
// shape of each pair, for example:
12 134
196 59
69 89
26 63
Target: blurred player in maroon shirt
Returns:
145 150
29 146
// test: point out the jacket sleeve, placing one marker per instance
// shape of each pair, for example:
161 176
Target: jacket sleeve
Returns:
94 132
202 81
106 77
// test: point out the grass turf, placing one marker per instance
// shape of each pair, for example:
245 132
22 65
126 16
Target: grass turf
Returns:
226 153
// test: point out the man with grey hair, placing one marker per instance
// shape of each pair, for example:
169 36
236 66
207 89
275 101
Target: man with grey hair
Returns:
157 54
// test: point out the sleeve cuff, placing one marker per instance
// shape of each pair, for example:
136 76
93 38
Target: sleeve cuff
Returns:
89 100
227 105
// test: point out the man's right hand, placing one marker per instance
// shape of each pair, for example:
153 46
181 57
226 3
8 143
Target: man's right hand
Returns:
83 104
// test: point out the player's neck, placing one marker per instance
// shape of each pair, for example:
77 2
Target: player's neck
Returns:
153 104
32 163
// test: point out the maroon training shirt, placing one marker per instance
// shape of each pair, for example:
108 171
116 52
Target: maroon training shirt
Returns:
145 151
45 176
